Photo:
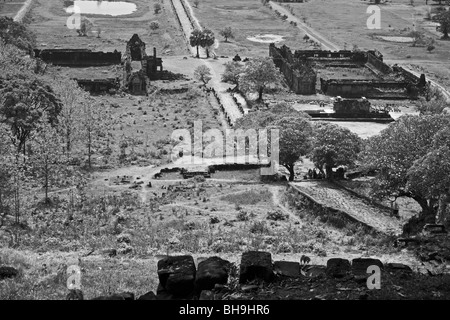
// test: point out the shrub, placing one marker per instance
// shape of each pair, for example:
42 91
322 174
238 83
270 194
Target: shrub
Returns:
259 227
242 216
276 216
214 220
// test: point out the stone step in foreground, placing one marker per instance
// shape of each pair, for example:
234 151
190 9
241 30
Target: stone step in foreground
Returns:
180 280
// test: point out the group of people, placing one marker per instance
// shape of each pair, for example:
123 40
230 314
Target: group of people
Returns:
314 174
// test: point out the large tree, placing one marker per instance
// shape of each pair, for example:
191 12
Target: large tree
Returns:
444 20
258 74
207 40
295 131
295 141
430 175
195 40
232 74
396 150
202 73
23 101
16 34
334 146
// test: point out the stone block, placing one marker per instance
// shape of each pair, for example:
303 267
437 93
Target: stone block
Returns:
256 265
338 268
210 272
177 274
287 268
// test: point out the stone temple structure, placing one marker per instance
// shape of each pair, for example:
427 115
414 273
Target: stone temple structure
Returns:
139 68
86 67
349 74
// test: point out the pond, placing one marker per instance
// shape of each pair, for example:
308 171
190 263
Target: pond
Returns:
266 38
116 8
397 39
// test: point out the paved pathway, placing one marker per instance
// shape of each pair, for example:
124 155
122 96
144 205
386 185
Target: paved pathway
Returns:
216 66
340 199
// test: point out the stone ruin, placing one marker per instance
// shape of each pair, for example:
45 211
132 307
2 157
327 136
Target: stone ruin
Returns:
78 57
147 67
138 67
180 278
349 74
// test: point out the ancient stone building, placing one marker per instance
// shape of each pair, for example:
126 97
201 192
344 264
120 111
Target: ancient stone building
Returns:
137 83
139 68
153 66
300 76
350 74
135 48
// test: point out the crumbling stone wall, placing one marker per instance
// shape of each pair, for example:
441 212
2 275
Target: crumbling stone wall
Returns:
300 71
348 88
78 57
99 85
300 77
181 279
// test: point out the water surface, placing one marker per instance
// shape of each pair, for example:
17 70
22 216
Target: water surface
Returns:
109 8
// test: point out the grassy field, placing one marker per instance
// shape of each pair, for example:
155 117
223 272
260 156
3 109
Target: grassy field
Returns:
346 26
10 7
248 19
48 21
146 123
198 218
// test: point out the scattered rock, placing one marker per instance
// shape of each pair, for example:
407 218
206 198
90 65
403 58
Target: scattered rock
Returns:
177 274
287 268
210 272
8 272
337 267
256 264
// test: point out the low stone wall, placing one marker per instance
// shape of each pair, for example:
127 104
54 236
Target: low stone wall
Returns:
99 85
367 88
320 209
181 279
284 60
78 57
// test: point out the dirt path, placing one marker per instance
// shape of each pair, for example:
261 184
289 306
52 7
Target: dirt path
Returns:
332 196
313 34
23 11
275 190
